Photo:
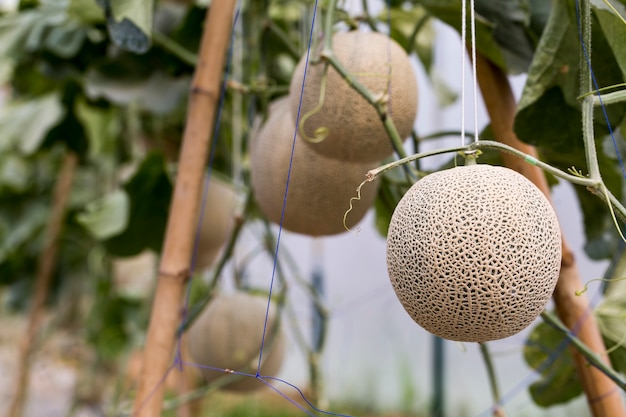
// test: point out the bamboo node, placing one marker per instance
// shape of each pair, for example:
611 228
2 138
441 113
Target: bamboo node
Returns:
196 90
183 274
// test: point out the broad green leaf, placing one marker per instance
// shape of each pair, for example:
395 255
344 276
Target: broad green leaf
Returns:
17 127
102 127
510 20
611 312
14 172
616 287
65 40
546 351
23 232
156 93
86 11
502 32
614 31
549 111
109 322
130 23
150 191
14 29
106 217
46 27
555 61
393 186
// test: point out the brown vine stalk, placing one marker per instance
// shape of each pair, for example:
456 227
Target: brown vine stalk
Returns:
603 395
43 278
177 248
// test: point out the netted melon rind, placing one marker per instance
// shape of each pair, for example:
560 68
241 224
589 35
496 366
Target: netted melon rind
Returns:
228 335
320 188
355 130
474 252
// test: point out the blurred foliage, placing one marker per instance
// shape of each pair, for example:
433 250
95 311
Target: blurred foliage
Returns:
109 80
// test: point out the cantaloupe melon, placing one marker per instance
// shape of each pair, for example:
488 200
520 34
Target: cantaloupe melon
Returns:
355 130
474 252
320 188
228 335
218 220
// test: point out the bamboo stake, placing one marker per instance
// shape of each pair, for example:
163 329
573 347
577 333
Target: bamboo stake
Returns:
603 396
45 268
174 266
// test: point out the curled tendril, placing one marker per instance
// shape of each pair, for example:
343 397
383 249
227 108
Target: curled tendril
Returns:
609 280
352 200
322 132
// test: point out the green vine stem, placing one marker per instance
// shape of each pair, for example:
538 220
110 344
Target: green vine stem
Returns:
368 18
609 98
493 380
175 48
595 186
283 37
593 358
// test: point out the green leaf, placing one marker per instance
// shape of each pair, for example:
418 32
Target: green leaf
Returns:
86 11
46 27
611 312
102 127
14 172
150 191
549 112
23 232
17 127
546 351
501 32
614 31
14 29
108 325
393 186
157 93
130 23
106 217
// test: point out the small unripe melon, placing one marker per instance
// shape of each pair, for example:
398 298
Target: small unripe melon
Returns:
355 130
228 335
320 188
474 252
218 220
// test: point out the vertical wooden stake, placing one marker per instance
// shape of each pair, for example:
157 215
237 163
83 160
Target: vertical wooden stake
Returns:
44 276
603 395
174 265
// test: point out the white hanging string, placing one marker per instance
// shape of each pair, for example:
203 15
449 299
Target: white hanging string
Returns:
473 59
474 75
463 42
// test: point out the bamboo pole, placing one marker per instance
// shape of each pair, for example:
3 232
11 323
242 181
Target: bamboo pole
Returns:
174 265
603 395
45 268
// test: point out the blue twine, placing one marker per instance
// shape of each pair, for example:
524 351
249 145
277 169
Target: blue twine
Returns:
282 215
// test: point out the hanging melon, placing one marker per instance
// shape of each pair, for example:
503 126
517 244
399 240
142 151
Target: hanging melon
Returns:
218 220
228 335
320 188
474 252
354 128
